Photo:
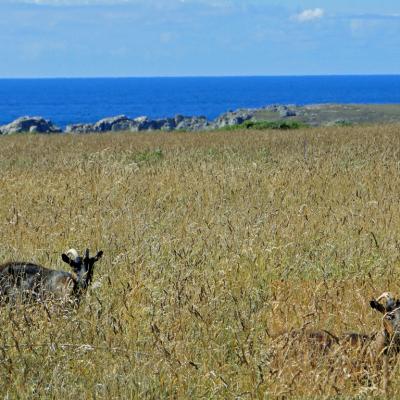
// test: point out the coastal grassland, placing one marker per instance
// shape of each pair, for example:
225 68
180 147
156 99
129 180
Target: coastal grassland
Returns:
322 114
213 242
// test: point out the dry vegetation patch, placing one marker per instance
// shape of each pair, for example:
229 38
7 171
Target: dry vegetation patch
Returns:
213 243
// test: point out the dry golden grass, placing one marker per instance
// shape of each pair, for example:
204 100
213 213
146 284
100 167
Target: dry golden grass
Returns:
213 243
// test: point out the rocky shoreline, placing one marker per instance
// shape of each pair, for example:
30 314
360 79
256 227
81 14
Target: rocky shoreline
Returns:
312 115
123 123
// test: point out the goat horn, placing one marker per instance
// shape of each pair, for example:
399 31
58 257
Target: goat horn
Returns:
389 298
72 253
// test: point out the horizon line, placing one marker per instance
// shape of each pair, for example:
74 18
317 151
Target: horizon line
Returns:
194 76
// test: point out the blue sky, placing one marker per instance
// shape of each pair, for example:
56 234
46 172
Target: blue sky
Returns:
52 38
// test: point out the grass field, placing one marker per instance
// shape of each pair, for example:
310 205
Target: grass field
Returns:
213 242
337 114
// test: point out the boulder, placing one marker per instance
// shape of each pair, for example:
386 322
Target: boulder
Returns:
167 124
194 124
179 118
79 128
282 109
123 123
141 123
232 118
286 112
110 124
29 125
179 122
118 123
290 113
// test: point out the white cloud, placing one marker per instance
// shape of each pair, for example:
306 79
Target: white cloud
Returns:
310 15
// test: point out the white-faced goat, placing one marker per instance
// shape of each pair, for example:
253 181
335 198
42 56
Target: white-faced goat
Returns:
32 281
385 341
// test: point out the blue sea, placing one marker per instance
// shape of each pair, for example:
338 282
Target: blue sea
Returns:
66 101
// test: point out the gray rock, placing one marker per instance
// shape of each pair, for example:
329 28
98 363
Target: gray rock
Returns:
123 123
29 124
142 123
193 124
110 124
232 118
142 119
79 128
118 123
281 109
179 118
167 124
284 113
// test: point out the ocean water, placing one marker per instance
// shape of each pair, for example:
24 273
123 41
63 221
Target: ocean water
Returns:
66 101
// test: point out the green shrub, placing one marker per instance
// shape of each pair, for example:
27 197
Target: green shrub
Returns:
263 125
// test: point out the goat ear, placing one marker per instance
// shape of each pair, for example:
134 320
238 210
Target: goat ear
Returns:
98 255
66 259
377 306
69 261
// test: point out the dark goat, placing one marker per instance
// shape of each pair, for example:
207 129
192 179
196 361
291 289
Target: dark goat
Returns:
32 281
382 342
388 339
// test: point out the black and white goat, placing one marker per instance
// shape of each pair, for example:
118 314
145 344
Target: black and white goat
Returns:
31 281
